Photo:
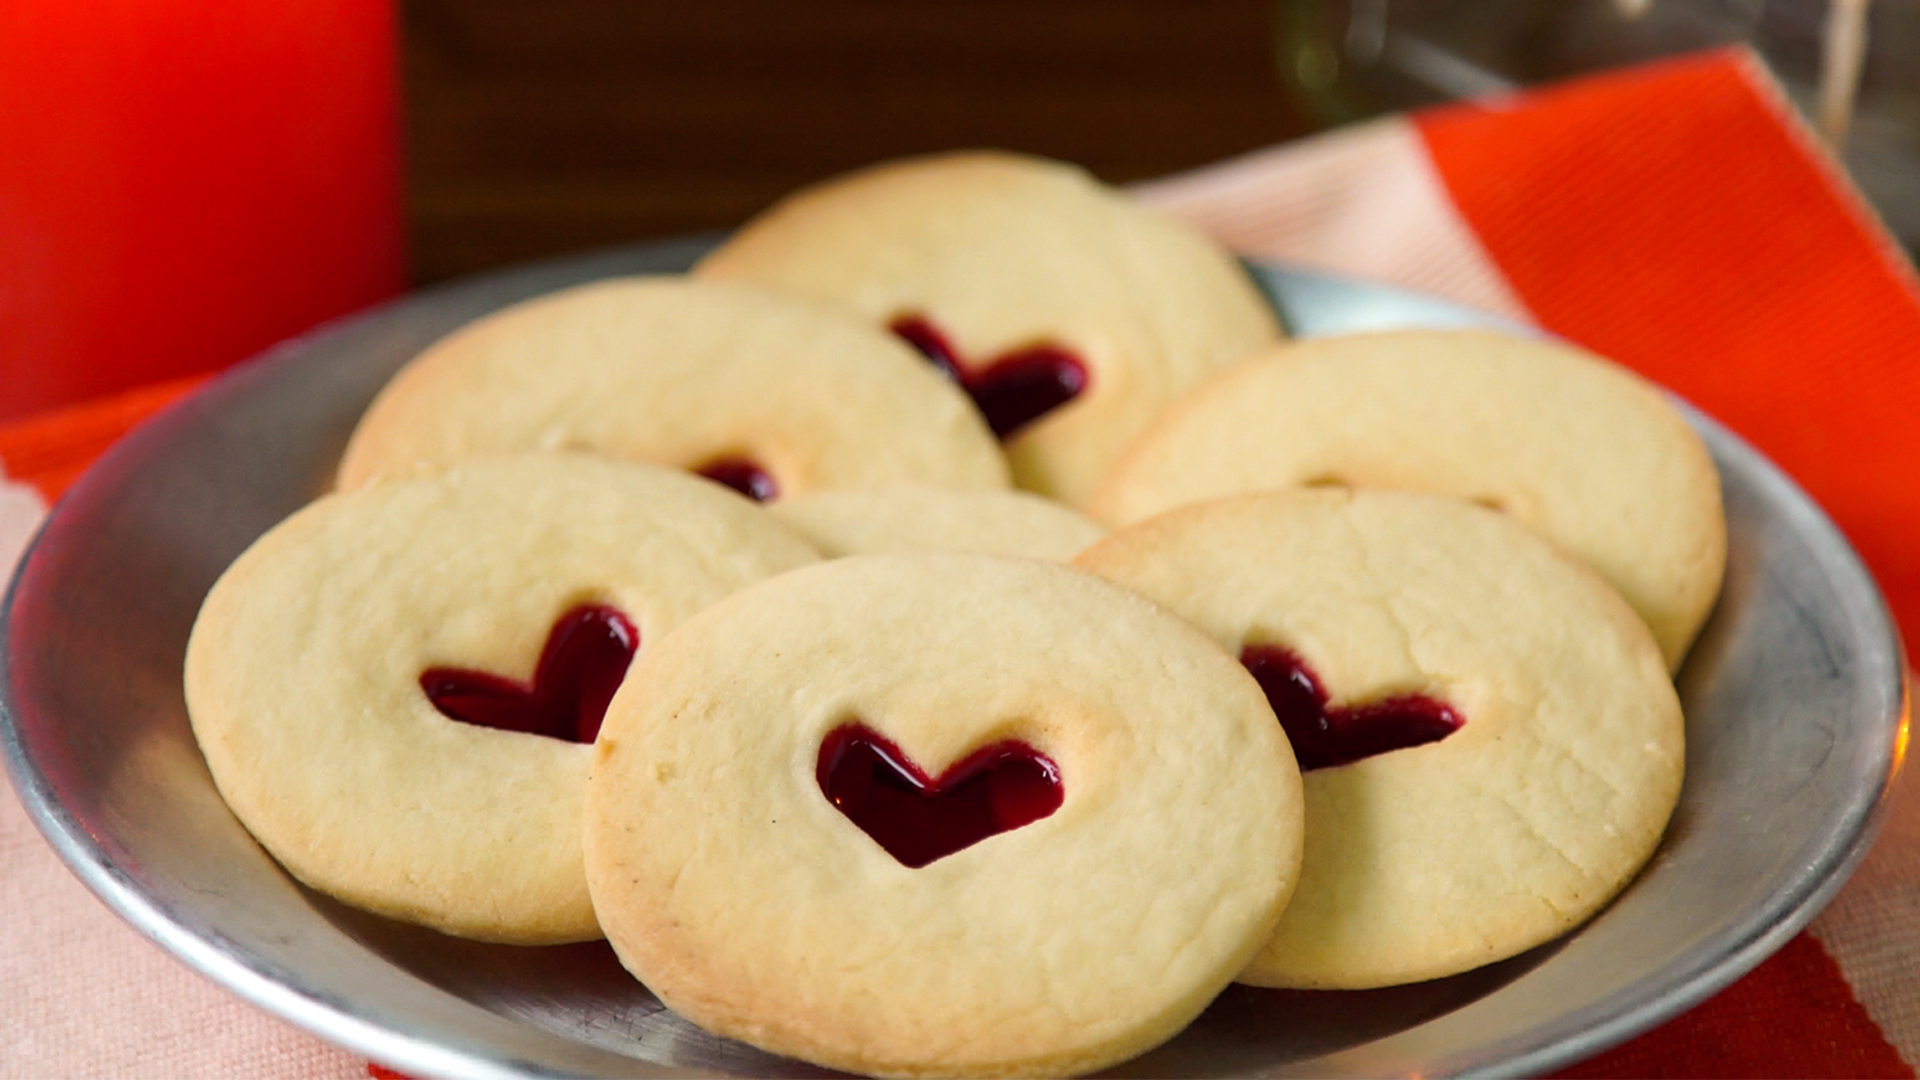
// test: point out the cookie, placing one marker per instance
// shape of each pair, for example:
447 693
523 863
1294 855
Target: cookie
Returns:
1589 454
1491 744
324 662
918 518
1115 830
769 394
1072 314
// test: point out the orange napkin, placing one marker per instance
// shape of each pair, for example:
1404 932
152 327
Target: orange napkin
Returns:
1676 217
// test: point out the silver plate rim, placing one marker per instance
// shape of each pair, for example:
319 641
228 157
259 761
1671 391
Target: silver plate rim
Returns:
1575 1037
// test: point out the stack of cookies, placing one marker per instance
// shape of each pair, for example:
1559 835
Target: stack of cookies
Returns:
952 630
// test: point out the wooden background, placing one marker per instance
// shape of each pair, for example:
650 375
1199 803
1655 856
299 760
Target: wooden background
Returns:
538 127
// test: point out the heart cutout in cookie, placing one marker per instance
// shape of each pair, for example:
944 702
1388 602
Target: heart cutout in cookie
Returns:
1324 737
742 475
1013 389
995 789
585 657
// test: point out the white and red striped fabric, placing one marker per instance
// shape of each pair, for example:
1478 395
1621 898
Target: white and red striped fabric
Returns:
1675 217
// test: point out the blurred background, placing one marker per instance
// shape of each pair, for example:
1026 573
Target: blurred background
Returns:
536 128
184 182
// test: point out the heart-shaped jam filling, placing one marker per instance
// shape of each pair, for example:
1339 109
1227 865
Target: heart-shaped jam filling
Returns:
585 658
1324 737
995 789
742 475
1013 389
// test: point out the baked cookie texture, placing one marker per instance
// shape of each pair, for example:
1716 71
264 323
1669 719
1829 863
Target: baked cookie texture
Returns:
303 674
681 373
920 518
731 886
1574 446
1002 252
1434 859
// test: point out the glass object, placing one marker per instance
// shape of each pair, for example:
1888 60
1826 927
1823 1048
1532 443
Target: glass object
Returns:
185 182
1851 66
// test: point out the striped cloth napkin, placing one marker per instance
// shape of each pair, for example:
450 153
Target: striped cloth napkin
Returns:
1676 217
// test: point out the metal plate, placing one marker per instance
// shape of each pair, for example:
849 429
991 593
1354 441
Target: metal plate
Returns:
1795 721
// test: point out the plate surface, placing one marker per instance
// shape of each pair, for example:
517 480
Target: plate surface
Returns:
1795 719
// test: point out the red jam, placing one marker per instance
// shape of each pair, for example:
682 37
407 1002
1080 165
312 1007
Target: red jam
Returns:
1324 737
995 789
1013 389
743 476
585 658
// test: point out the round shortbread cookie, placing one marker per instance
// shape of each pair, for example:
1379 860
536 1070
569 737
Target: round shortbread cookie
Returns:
919 518
1438 857
702 376
1578 448
997 254
304 674
752 905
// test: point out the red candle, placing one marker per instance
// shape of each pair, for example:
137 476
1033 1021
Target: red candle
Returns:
185 182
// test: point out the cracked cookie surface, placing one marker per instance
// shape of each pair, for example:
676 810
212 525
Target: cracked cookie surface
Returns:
709 377
1579 449
1430 860
304 674
996 254
921 518
730 884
